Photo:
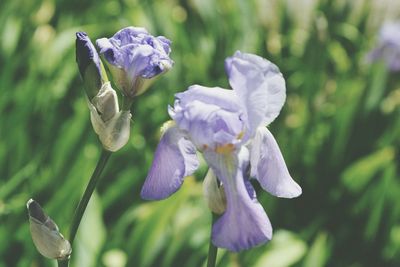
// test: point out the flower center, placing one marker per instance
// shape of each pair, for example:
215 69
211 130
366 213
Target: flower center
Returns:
225 149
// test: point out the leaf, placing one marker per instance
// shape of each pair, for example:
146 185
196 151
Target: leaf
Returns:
91 235
318 252
284 250
357 176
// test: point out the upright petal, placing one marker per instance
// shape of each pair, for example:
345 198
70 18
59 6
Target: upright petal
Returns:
244 223
269 168
259 85
224 98
211 116
174 159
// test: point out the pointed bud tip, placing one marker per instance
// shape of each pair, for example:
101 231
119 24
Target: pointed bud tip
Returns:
81 35
35 210
89 64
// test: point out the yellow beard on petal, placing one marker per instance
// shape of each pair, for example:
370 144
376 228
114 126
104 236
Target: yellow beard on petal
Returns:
225 149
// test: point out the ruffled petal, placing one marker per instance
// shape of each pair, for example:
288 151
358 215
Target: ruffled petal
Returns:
244 223
174 159
135 58
260 87
224 98
211 116
269 168
110 52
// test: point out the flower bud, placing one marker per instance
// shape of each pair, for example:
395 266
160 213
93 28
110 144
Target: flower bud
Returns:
214 194
45 234
111 125
135 58
90 65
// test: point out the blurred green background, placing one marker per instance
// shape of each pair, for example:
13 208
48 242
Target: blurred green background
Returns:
339 132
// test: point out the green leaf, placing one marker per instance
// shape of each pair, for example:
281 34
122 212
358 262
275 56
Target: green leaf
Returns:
91 235
318 252
284 250
357 176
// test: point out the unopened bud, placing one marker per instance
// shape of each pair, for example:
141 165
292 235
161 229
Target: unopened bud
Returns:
90 65
45 234
214 194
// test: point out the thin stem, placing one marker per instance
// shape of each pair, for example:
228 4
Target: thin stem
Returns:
127 103
212 250
63 263
80 210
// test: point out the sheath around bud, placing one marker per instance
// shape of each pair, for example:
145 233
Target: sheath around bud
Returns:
111 125
214 194
45 234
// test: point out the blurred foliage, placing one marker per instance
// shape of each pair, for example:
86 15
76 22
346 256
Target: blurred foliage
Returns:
339 132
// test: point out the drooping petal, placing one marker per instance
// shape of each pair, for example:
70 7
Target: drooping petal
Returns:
244 223
260 87
269 168
174 159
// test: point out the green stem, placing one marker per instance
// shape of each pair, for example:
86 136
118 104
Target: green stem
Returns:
212 250
63 263
80 210
127 103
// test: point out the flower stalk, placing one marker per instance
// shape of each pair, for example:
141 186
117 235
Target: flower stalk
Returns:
80 210
212 249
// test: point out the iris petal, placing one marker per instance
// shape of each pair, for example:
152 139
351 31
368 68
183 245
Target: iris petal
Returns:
244 223
211 116
135 58
224 98
269 168
174 159
260 87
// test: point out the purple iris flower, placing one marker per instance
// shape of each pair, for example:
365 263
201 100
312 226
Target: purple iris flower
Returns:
134 57
228 127
388 47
